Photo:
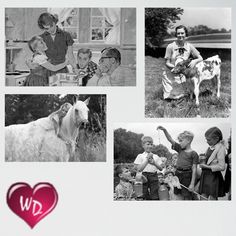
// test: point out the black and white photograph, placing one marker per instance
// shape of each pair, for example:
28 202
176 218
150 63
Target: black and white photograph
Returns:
187 62
70 46
55 128
172 161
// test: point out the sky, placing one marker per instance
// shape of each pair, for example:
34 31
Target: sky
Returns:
199 143
215 18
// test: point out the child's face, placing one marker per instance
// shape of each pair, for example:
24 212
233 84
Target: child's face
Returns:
83 59
212 140
126 174
169 175
41 46
183 142
174 159
148 146
161 179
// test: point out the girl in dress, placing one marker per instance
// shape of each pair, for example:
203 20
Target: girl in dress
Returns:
211 180
39 75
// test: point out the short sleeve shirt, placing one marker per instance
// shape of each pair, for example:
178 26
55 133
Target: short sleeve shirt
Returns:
149 168
173 51
40 59
185 159
123 76
57 48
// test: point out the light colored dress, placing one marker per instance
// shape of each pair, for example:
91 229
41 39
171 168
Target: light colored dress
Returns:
174 86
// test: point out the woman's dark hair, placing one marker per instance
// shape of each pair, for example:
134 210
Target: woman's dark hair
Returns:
46 19
214 132
181 27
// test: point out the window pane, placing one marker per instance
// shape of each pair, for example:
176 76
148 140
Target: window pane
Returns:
96 12
97 21
97 34
71 21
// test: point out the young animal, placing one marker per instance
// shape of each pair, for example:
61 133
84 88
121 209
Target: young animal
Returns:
204 70
37 140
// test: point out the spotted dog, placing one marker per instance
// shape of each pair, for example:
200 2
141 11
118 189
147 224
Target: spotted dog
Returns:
204 70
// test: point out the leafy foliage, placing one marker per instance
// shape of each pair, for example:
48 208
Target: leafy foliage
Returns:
127 145
157 22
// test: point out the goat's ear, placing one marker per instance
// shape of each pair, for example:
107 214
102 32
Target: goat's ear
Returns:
87 101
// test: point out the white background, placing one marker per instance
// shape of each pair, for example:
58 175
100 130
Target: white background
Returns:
86 205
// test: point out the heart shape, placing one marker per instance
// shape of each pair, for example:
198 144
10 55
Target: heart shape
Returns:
32 204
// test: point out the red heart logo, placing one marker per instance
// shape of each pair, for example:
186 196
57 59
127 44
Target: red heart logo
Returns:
32 204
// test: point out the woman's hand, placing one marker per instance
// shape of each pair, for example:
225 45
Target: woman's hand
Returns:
192 64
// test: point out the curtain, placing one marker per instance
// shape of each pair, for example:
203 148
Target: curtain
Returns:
113 17
62 14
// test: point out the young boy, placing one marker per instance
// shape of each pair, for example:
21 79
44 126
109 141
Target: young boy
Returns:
85 65
186 166
124 190
149 163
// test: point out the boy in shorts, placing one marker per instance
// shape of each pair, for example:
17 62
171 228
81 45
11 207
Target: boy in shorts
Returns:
186 166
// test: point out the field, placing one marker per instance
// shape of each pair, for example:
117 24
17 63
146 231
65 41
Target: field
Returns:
210 105
91 147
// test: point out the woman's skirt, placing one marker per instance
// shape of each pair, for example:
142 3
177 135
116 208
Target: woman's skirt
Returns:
212 183
174 86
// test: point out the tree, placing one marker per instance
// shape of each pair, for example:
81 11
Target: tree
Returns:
127 145
157 22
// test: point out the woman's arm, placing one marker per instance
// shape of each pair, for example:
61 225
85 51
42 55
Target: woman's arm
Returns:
196 54
169 64
52 67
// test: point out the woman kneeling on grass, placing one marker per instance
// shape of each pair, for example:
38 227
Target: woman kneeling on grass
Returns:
179 50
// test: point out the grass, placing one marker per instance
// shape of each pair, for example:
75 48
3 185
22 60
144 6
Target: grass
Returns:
91 147
210 105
